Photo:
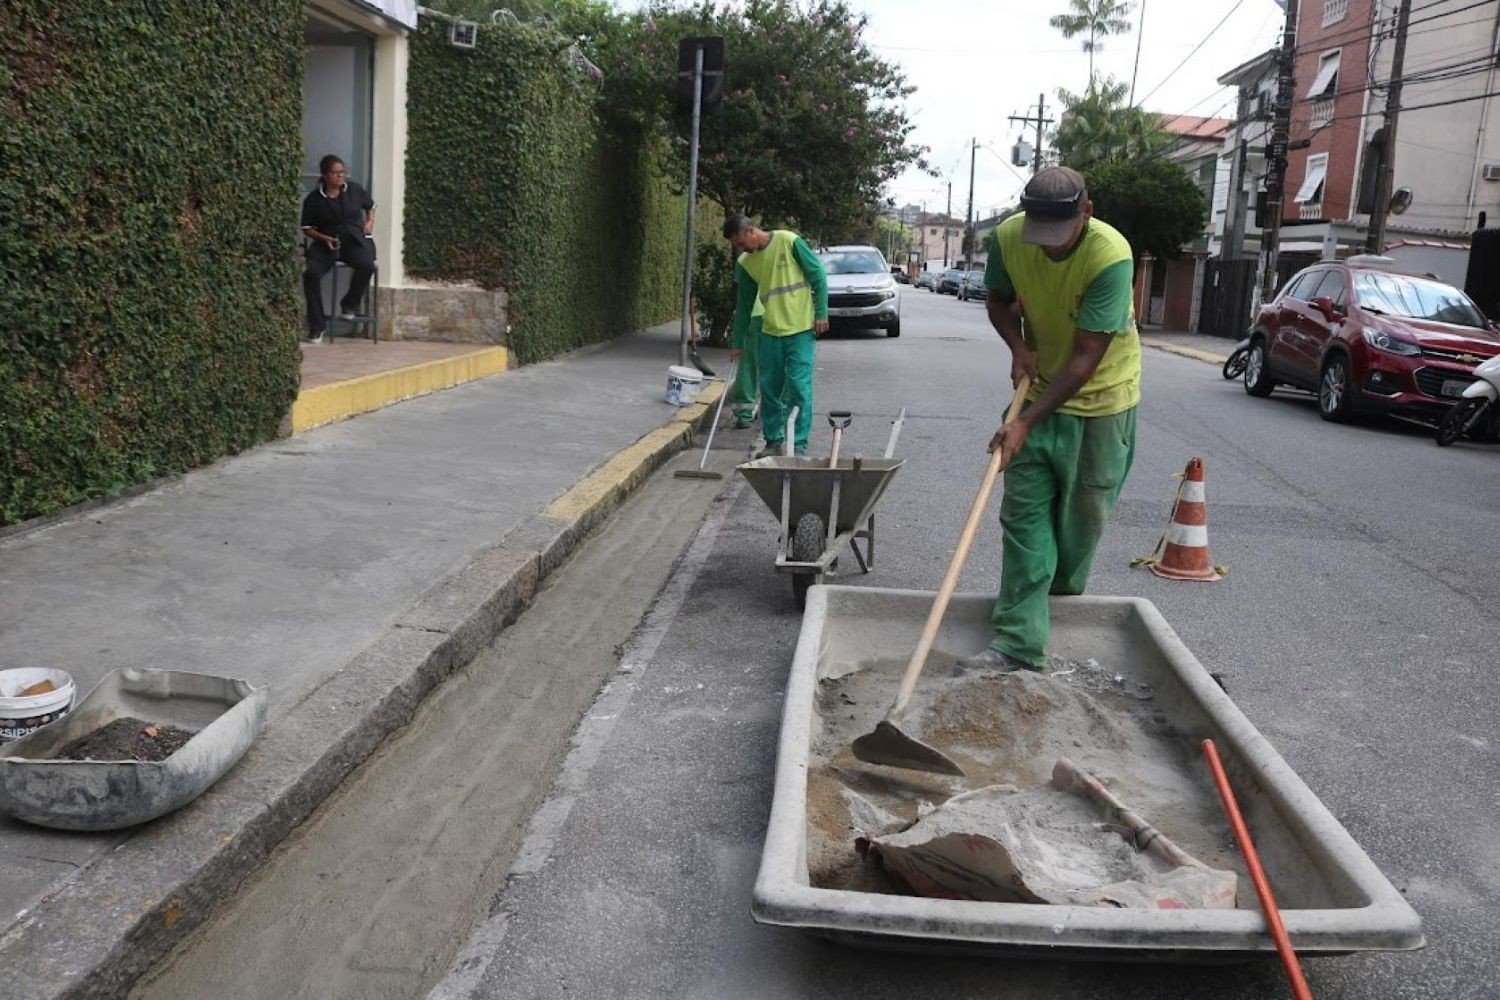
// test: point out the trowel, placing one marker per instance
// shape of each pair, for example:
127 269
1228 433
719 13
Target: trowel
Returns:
889 744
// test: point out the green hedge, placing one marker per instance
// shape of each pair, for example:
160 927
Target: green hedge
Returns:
148 283
513 180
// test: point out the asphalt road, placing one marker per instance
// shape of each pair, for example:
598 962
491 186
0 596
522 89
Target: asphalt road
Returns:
1356 629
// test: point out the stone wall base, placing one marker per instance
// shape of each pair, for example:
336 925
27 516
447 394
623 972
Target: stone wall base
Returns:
460 314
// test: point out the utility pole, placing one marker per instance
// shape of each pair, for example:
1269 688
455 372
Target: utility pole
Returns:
1375 240
1040 120
1276 149
969 216
1140 34
947 218
1234 222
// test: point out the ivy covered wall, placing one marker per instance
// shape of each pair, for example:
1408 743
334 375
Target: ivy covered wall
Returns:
148 278
514 181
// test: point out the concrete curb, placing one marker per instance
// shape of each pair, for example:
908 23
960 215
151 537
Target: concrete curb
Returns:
126 911
1186 352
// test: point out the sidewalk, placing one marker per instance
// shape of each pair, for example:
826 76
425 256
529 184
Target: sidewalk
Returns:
350 568
1199 346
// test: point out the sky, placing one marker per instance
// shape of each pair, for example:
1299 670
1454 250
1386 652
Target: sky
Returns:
976 62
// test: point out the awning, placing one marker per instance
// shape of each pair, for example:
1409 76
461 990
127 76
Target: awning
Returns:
1311 190
1328 74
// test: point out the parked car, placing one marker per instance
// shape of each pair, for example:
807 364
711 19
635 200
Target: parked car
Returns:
927 280
902 278
861 289
973 287
1368 338
951 279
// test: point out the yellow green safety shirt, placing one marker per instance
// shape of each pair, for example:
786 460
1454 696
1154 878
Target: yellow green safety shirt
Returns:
790 283
1089 289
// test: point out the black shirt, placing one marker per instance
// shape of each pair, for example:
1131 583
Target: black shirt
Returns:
342 216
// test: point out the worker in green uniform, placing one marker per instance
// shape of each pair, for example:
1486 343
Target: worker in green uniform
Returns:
746 389
1060 295
780 269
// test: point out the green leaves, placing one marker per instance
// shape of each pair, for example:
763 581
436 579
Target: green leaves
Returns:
1153 203
151 317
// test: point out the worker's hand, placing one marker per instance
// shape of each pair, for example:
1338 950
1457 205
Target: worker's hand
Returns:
820 326
734 353
1022 362
1009 439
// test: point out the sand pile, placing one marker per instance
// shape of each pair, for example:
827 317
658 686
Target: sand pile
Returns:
1006 729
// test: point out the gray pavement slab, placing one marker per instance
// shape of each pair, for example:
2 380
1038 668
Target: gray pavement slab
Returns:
350 568
1355 629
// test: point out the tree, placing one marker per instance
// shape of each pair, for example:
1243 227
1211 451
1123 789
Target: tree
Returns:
1097 19
1153 203
812 124
1098 127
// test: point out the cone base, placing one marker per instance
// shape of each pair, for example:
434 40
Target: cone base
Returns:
1196 575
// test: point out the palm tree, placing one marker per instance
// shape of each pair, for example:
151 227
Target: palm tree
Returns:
1098 19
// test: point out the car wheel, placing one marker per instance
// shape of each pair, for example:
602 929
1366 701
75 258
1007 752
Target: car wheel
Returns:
894 330
1336 390
1258 370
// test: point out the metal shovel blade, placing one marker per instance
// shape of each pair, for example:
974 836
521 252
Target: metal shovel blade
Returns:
888 745
697 474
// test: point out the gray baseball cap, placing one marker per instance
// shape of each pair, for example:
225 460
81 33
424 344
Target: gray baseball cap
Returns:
1052 201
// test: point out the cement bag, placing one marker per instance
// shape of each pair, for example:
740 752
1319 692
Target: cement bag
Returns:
1070 842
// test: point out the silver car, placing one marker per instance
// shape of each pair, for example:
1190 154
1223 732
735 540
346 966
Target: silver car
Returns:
862 293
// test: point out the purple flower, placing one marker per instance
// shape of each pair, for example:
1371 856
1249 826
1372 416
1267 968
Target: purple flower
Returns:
849 134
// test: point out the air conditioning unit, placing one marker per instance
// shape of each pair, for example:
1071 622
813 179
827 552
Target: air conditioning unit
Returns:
1492 171
463 34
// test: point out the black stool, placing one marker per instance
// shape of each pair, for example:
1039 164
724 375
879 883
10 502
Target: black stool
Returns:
369 316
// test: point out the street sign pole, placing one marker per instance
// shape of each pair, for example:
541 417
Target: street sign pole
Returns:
692 209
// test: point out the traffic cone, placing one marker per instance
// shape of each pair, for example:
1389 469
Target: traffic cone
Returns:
1185 556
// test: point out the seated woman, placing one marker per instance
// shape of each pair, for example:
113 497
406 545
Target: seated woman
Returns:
337 219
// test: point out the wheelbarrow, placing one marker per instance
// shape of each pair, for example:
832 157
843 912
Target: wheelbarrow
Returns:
823 504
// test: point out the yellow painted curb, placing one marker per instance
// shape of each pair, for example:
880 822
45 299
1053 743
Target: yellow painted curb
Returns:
628 467
1186 352
338 400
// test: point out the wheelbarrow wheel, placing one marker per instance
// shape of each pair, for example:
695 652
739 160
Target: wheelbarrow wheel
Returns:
807 546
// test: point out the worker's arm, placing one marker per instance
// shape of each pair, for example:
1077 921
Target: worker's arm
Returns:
744 302
817 280
1005 315
1106 306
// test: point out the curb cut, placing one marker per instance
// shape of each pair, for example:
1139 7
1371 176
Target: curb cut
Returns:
127 910
1186 352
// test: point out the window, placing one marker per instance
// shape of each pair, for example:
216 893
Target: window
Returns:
1324 88
1400 295
1300 286
1311 191
1336 288
932 231
1334 11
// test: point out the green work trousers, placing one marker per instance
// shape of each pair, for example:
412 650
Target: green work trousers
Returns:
746 388
786 380
1059 491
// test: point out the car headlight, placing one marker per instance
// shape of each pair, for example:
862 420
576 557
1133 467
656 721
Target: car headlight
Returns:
888 293
1382 341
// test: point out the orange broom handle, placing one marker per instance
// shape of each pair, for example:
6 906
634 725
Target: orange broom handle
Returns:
1257 875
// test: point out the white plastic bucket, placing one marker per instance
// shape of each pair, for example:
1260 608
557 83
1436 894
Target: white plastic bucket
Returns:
23 716
683 385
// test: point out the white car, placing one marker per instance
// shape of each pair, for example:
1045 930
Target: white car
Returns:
862 293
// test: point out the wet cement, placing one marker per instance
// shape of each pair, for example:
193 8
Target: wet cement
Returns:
1003 729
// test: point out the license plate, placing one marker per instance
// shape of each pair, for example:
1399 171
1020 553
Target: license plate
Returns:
841 312
1454 387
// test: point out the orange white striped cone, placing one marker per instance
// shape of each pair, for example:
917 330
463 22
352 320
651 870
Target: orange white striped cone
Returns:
1185 555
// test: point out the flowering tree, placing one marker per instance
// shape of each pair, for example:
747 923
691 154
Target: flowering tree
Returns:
812 123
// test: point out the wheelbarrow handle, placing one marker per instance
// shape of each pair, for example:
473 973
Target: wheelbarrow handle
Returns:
840 419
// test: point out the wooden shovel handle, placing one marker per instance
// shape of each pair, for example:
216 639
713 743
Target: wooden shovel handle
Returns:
956 564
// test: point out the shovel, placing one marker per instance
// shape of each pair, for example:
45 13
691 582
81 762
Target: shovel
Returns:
693 356
888 744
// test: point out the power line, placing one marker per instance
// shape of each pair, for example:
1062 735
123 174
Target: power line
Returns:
1419 107
1434 74
1324 42
1204 41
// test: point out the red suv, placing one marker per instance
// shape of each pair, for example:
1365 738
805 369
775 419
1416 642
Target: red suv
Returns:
1367 338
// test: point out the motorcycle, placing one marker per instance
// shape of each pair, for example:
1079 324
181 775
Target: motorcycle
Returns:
1478 412
1234 365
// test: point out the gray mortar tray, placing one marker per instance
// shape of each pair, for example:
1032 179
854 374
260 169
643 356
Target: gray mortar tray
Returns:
1333 898
226 715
